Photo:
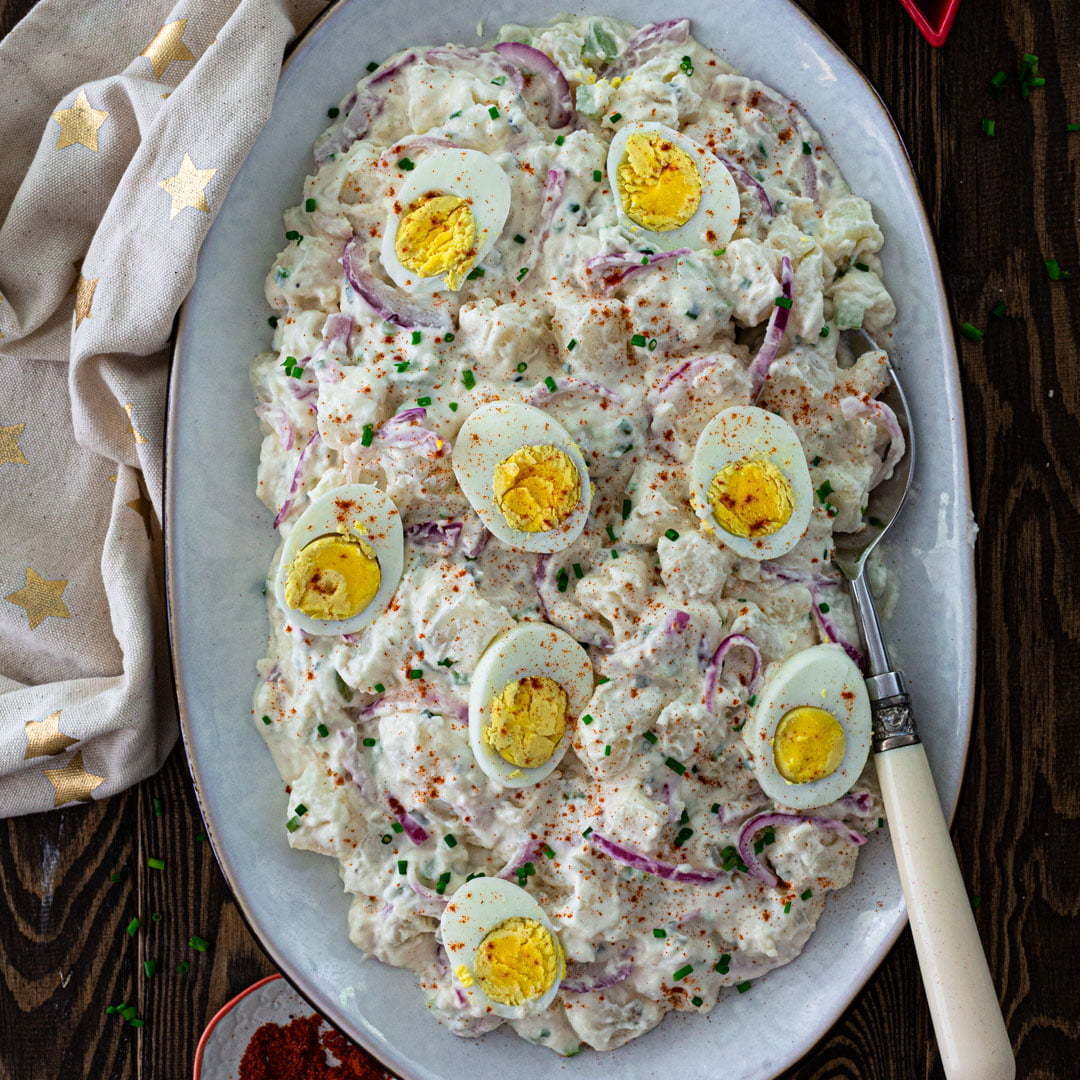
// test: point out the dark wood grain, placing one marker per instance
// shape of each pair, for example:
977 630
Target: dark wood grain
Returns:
1000 207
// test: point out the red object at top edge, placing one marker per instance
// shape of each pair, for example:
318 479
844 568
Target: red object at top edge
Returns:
934 18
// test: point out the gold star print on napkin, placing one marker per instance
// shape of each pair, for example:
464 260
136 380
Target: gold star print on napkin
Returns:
186 187
44 737
166 46
73 783
41 598
79 124
113 164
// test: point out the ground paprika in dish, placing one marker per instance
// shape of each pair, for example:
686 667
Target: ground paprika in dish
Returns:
297 1051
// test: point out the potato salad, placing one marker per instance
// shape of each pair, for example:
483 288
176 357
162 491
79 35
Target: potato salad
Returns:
560 423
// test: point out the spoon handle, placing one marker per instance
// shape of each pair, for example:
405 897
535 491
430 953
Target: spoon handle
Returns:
970 1031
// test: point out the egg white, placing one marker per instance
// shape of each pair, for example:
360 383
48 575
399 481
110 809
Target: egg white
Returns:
717 216
530 648
380 526
488 437
468 174
820 676
473 911
742 432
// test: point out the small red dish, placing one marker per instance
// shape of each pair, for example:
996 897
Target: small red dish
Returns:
934 18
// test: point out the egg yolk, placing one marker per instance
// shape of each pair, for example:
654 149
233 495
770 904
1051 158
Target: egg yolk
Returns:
658 182
518 961
527 721
751 498
437 235
333 577
808 745
536 488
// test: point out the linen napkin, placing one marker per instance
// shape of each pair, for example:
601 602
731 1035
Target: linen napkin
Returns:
122 126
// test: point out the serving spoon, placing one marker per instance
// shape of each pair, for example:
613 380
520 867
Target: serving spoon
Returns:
967 1018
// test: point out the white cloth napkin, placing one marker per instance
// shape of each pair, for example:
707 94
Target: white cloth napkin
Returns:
122 126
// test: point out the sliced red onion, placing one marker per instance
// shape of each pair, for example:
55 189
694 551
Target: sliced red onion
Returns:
455 58
831 631
421 889
796 577
542 392
434 534
477 546
303 390
294 485
858 802
623 854
774 332
535 62
416 142
688 370
877 412
616 266
360 112
387 301
383 74
716 664
404 430
554 189
283 428
740 172
745 843
350 761
413 829
810 173
645 41
524 854
586 979
350 639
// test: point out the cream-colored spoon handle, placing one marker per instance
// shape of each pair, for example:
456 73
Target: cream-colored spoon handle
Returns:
970 1031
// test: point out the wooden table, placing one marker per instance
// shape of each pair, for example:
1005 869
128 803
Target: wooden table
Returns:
1000 206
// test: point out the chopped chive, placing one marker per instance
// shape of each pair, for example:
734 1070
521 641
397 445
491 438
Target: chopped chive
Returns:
292 824
825 491
997 80
652 344
550 383
807 148
416 673
417 337
972 333
158 807
423 402
448 338
650 737
454 115
562 579
309 205
200 837
386 838
614 553
493 112
674 765
686 66
586 719
611 535
575 207
684 834
719 251
444 880
522 272
149 966
615 117
723 963
816 460
371 66
783 301
626 505
447 662
468 378
155 863
601 680
1072 127
370 742
183 967
671 534
403 866
378 688
198 944
597 175
752 700
266 720
132 927
559 140
397 826
406 164
824 609
450 840
989 127
607 751
696 1001
518 238
402 365
273 321
787 908
638 340
367 435
742 987
681 974
587 831
824 332
453 406
658 933
333 112
571 344
548 851
863 267
876 522
806 895
475 273
999 310
579 573
499 80
1054 271
292 234
116 875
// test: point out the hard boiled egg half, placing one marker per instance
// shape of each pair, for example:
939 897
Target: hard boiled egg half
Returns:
342 561
810 730
670 191
749 482
503 950
530 685
444 219
523 475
